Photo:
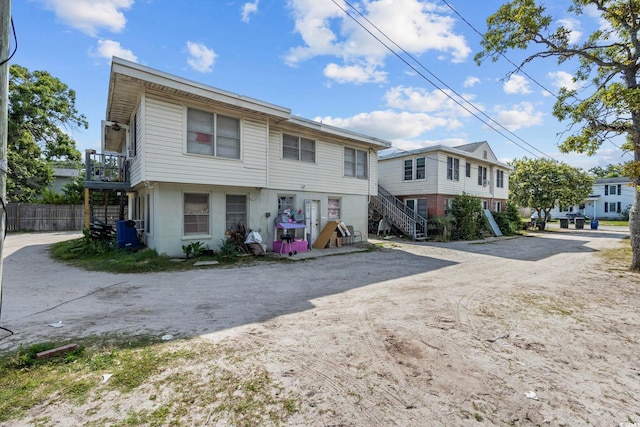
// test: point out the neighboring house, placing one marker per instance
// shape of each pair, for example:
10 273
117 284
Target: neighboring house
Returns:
61 177
427 179
198 162
609 198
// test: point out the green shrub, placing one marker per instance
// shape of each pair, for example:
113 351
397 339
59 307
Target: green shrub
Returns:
469 219
228 251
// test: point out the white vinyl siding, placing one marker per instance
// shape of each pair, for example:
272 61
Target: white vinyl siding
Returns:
165 134
325 175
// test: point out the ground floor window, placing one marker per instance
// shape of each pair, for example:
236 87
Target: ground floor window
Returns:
196 213
286 202
497 207
333 208
418 205
236 213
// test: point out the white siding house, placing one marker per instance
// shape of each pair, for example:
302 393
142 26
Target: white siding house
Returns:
428 178
609 198
202 161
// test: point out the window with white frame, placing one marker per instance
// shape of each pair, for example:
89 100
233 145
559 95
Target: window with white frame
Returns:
333 208
497 206
418 165
613 207
499 180
468 169
482 175
453 169
236 213
355 163
298 148
196 213
408 169
447 204
417 205
212 134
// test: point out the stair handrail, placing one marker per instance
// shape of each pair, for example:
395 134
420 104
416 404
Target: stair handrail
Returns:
399 214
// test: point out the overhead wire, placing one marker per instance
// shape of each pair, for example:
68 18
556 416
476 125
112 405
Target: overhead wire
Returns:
490 119
15 46
518 68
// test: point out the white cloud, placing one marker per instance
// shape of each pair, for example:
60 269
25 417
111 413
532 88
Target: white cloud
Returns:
520 116
423 101
574 29
354 74
110 48
249 9
89 16
201 58
471 81
415 25
516 85
390 124
562 79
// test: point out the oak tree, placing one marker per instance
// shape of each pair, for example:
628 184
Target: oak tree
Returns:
606 102
542 184
41 113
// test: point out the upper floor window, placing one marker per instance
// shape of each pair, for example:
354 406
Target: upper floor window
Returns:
482 175
355 163
212 134
420 169
297 148
499 180
468 170
453 169
612 190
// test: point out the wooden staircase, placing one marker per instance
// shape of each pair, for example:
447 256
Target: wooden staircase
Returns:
402 217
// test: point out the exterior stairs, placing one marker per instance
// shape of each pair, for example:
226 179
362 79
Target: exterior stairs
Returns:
399 215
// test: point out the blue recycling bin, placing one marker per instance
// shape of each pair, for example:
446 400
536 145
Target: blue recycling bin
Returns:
126 235
594 224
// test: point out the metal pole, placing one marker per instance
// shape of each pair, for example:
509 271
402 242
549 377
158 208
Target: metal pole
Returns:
5 27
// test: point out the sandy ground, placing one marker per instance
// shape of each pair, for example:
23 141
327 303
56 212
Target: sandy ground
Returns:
534 330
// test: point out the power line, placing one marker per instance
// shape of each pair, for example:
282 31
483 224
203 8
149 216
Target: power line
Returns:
434 84
518 68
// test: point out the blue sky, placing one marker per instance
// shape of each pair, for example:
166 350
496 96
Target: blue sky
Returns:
309 56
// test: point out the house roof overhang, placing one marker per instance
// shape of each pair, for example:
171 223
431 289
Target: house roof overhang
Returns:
128 81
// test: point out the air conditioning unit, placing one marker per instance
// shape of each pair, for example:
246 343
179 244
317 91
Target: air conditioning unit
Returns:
486 182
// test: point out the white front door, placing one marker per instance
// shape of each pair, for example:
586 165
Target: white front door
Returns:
312 219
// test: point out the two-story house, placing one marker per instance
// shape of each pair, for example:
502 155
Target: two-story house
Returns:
198 162
426 179
609 198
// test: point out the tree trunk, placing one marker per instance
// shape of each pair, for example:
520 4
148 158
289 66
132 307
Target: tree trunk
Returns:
634 232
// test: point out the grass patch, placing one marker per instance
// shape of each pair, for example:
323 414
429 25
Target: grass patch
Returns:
549 304
153 383
107 258
619 257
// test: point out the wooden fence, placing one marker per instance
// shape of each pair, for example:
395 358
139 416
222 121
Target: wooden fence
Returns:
32 217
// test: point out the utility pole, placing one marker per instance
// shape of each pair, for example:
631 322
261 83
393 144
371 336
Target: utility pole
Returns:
5 27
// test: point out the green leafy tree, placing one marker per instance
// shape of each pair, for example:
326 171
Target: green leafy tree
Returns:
542 184
607 102
610 171
469 220
41 113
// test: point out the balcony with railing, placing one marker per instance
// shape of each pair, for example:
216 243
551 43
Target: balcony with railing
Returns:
105 171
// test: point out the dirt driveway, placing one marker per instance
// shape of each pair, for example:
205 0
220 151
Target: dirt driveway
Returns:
515 331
